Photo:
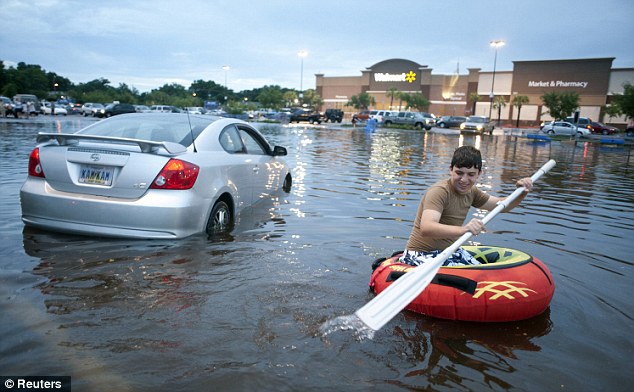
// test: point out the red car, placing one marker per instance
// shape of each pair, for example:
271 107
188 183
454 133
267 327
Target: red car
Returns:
597 127
362 116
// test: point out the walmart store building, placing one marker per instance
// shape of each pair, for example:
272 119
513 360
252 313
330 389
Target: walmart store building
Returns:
593 79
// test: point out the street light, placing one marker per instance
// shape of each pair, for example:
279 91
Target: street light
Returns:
496 44
301 54
226 68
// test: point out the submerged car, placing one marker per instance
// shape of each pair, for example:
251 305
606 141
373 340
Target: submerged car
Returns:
565 128
166 175
450 121
477 124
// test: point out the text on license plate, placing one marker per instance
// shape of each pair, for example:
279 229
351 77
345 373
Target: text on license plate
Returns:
96 175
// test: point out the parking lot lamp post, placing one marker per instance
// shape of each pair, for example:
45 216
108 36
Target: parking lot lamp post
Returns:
495 44
226 68
301 54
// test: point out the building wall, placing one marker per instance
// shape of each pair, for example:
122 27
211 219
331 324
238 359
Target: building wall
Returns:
593 79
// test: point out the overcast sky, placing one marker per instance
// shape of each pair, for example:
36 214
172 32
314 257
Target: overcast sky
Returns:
148 43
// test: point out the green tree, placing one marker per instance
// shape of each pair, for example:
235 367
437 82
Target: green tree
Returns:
474 98
416 101
498 103
290 97
561 105
392 92
625 101
311 98
362 101
519 101
271 97
612 111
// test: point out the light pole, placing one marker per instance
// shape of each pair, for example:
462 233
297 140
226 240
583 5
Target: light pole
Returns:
301 54
496 44
226 68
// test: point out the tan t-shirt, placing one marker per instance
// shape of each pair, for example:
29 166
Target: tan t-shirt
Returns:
442 197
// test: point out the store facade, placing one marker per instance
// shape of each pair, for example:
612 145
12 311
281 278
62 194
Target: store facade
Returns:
593 79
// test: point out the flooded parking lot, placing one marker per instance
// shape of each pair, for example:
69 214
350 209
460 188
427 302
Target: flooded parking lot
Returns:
244 313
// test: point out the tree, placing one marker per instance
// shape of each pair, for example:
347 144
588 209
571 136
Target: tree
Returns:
474 98
416 101
625 101
561 105
311 98
271 97
612 111
362 101
290 97
498 103
392 92
518 102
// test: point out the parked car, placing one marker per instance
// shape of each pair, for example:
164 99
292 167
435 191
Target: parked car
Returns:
305 115
450 121
164 109
380 115
333 115
363 115
59 109
430 118
565 128
142 108
413 119
195 110
73 108
477 124
581 121
114 109
139 176
91 109
601 128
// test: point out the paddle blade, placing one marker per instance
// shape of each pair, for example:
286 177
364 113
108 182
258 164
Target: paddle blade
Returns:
382 308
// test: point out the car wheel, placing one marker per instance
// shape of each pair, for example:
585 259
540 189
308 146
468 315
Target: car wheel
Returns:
288 183
388 123
220 219
550 132
442 125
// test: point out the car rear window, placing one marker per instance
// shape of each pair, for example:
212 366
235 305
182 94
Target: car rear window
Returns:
155 127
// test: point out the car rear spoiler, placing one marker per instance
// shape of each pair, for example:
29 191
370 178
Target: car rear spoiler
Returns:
146 146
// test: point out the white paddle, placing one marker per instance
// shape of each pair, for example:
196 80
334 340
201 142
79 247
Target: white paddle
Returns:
382 308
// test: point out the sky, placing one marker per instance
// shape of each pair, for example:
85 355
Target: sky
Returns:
148 43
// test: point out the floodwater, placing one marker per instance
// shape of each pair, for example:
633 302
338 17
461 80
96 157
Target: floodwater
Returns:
244 313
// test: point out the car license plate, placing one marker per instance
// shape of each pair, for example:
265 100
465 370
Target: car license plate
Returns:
96 175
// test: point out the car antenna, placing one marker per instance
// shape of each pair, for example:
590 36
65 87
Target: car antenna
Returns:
191 131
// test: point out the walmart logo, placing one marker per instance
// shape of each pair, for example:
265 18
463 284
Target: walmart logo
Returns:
410 77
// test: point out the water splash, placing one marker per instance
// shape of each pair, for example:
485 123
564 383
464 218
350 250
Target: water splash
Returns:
349 322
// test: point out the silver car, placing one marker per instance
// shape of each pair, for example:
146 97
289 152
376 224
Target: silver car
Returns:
477 124
565 128
150 175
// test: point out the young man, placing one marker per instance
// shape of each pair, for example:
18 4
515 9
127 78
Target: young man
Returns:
440 218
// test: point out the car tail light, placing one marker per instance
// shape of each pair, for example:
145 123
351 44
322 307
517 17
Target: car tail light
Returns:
176 174
35 167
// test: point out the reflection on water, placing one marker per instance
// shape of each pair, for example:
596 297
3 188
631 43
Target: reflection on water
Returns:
243 312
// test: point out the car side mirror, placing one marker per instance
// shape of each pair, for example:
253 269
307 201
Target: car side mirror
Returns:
279 151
